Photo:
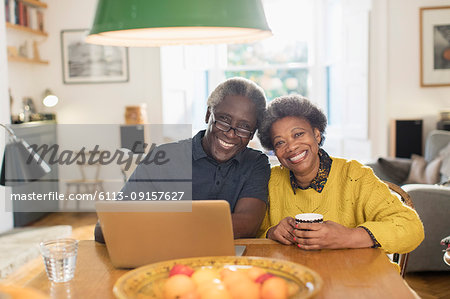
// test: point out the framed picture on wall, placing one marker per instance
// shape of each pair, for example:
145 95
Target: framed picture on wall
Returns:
435 46
87 63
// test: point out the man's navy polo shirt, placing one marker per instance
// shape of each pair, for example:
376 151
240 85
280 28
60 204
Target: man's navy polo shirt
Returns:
245 175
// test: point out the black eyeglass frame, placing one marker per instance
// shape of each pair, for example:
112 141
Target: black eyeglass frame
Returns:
237 131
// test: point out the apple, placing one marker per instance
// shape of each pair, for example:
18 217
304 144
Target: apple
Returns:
263 277
181 269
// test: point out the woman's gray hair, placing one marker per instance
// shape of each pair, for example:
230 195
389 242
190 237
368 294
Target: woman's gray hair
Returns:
291 105
239 86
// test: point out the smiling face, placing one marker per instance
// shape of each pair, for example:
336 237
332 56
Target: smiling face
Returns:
296 146
238 112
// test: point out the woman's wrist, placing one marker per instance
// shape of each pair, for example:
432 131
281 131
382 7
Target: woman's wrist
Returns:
359 238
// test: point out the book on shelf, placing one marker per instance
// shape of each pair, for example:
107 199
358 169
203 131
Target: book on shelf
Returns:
40 20
7 10
12 11
25 15
17 11
20 13
32 18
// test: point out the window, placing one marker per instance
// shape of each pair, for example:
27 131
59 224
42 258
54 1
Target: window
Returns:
319 50
279 64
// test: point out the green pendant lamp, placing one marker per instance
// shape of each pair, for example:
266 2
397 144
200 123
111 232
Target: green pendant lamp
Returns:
152 23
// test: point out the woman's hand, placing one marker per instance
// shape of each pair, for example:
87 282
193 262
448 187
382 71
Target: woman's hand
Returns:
283 231
330 235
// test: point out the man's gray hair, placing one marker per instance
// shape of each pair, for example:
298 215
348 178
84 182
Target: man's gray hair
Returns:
239 86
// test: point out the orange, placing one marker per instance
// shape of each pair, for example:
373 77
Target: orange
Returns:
255 272
178 286
191 295
204 275
274 288
233 277
224 272
244 289
213 290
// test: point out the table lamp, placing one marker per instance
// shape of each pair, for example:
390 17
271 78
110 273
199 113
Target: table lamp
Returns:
21 164
153 23
50 99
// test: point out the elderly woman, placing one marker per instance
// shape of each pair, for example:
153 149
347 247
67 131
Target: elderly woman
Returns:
358 208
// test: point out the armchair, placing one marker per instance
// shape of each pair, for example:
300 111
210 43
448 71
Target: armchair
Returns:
432 202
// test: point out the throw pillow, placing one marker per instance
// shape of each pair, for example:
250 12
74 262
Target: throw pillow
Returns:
445 168
396 168
423 173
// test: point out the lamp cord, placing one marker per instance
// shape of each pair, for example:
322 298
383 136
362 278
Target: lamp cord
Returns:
10 131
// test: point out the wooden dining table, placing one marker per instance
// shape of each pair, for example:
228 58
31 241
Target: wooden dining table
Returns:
346 273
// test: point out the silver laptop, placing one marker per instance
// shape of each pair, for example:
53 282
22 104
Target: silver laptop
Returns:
144 232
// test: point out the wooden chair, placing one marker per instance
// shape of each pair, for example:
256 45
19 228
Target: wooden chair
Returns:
89 183
401 259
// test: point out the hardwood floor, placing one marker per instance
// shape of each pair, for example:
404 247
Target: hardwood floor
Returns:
74 219
428 285
82 223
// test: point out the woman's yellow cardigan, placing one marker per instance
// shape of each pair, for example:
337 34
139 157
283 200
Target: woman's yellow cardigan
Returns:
353 196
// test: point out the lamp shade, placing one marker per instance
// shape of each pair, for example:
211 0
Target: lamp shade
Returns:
49 100
21 164
149 23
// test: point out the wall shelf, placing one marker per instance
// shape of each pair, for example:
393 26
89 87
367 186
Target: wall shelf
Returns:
27 60
25 29
35 3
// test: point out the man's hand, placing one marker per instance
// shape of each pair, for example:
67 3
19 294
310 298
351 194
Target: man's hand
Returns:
330 235
283 231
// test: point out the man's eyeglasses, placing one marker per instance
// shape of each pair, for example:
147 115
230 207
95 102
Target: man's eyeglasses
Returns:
225 127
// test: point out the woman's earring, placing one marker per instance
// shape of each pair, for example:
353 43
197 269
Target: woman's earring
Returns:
281 166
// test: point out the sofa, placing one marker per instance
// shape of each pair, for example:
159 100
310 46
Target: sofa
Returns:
426 179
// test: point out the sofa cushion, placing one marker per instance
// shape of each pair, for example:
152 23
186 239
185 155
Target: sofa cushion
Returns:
445 167
422 172
396 168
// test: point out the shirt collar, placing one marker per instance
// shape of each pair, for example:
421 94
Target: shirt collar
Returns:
197 149
198 152
318 183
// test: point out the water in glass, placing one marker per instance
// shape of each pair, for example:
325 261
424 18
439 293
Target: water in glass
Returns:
60 258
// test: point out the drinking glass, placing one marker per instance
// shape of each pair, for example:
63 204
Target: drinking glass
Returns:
60 257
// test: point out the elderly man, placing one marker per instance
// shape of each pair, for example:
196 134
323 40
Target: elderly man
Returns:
223 167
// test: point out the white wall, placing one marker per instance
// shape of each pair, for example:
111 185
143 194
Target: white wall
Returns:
395 90
84 103
395 71
87 103
6 219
